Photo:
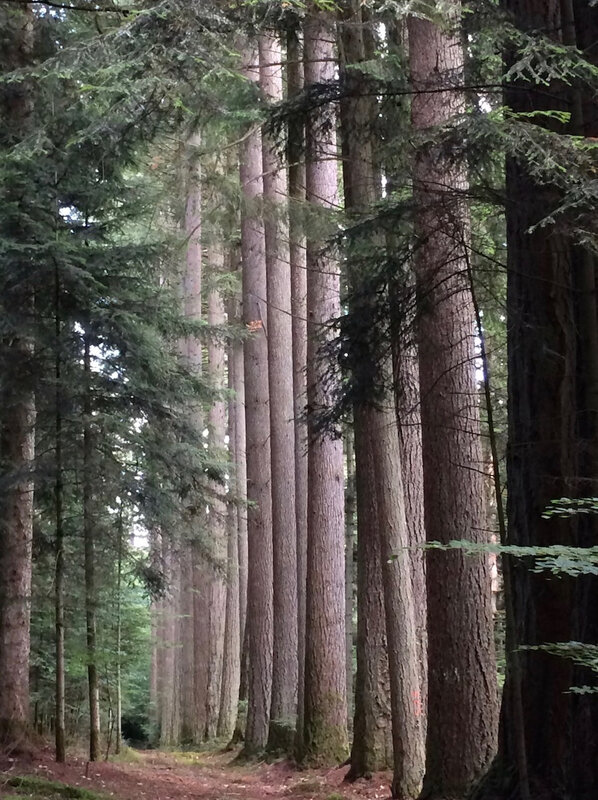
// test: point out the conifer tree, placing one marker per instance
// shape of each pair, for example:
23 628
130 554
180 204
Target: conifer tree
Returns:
257 414
325 713
280 372
461 738
17 435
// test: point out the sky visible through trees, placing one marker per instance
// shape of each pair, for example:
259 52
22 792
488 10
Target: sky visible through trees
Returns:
299 387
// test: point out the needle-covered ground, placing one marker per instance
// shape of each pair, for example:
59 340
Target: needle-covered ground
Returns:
154 775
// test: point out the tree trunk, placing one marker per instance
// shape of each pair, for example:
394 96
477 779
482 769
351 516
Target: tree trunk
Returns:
350 537
461 735
59 732
548 735
296 137
168 732
280 370
240 467
195 572
119 569
372 726
381 504
91 595
17 447
257 413
218 509
231 669
325 722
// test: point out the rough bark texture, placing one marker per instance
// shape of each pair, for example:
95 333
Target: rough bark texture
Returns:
299 326
380 499
407 399
350 539
325 722
240 466
17 437
280 371
218 516
169 729
231 665
552 357
192 625
372 726
406 377
462 692
257 414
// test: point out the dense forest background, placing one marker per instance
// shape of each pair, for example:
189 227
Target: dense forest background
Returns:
299 385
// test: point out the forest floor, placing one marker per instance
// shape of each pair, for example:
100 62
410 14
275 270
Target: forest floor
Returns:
157 775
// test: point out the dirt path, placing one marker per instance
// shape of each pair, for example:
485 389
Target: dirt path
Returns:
196 776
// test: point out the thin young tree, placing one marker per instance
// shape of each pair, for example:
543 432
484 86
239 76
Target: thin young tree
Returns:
89 538
59 528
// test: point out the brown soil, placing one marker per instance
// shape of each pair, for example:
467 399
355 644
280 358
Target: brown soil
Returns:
195 776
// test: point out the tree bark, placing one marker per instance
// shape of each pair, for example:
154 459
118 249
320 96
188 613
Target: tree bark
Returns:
257 413
231 669
240 467
59 722
194 606
218 510
372 726
461 736
325 722
119 568
91 595
350 538
552 452
280 370
296 138
381 503
17 446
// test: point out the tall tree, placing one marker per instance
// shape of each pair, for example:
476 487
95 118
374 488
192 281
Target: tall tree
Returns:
325 720
461 737
17 435
257 413
231 668
296 167
372 726
381 503
59 525
218 511
280 371
195 637
548 733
